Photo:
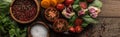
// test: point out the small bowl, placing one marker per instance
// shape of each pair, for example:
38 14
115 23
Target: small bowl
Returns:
37 23
21 21
53 16
60 25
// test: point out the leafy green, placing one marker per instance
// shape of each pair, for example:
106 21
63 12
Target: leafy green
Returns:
85 24
9 28
76 7
71 21
9 1
76 2
89 19
97 3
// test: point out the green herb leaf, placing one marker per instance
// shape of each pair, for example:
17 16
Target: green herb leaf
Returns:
97 3
85 24
12 32
76 7
76 2
23 35
88 19
71 21
9 1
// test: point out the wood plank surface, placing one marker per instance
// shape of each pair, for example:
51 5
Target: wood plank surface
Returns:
110 8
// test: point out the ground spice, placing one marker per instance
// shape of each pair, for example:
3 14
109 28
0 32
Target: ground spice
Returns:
24 10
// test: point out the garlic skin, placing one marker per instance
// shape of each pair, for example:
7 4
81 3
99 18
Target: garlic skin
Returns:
39 31
66 14
94 11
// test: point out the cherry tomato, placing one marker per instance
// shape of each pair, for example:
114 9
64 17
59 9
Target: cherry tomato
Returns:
69 2
78 29
60 6
83 5
72 29
78 21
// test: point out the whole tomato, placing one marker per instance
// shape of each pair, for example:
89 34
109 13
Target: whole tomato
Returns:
60 6
78 29
69 2
83 5
72 29
78 21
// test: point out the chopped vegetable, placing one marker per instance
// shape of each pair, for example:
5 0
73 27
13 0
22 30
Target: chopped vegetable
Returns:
60 25
51 14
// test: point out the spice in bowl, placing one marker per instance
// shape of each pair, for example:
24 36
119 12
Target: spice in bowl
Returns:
38 30
24 10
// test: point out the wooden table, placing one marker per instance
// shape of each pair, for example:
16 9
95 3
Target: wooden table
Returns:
109 25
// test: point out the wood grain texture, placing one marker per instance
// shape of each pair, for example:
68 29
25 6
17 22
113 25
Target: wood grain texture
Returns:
110 8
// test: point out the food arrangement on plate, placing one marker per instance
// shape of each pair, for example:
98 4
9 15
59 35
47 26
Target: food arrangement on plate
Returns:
71 16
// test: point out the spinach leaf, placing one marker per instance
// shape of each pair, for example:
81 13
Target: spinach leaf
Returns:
97 3
89 19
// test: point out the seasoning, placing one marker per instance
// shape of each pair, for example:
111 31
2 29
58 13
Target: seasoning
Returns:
39 31
24 10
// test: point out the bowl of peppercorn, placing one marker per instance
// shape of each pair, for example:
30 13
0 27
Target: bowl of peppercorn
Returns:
24 11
